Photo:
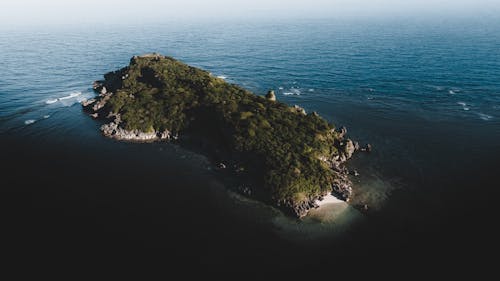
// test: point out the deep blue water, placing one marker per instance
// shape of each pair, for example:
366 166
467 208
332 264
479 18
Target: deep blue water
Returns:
426 95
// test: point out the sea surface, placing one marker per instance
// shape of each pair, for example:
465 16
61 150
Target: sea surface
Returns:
426 95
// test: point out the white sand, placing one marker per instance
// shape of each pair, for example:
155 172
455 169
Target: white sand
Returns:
328 199
329 211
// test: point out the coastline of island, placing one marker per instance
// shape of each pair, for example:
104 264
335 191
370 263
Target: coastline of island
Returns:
140 103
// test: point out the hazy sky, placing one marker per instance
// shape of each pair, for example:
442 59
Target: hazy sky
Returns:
74 11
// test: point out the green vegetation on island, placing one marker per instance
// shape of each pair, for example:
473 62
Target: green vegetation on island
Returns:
287 157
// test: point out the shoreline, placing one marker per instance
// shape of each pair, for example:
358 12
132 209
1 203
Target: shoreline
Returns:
327 210
324 204
336 147
327 200
341 186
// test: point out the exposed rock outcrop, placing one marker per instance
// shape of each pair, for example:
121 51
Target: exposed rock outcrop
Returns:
96 107
299 109
88 102
367 148
341 132
113 130
271 96
348 148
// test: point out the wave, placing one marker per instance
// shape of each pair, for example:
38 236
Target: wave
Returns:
464 105
70 96
222 77
311 90
485 117
292 92
281 88
83 98
31 121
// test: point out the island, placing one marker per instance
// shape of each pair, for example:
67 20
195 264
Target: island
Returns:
273 152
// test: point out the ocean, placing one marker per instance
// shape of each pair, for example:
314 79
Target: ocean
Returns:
425 94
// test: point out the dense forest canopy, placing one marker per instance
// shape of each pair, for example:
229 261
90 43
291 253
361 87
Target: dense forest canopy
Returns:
278 146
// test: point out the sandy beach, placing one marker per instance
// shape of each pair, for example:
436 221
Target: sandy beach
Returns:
330 208
328 199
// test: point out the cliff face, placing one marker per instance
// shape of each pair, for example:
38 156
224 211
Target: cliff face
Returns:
282 155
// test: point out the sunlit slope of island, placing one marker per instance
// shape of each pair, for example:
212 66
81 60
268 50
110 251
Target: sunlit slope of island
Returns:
277 153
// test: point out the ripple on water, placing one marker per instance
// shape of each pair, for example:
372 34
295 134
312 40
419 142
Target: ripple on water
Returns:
484 117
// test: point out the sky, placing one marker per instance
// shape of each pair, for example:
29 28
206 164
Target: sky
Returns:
13 12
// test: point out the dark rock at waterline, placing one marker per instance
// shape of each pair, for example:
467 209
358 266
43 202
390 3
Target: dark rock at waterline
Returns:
354 173
356 146
88 102
349 148
367 148
341 132
97 85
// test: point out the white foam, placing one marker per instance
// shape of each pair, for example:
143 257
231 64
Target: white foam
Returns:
222 77
293 92
464 105
73 98
46 116
72 95
281 88
29 121
82 98
485 117
311 90
451 92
